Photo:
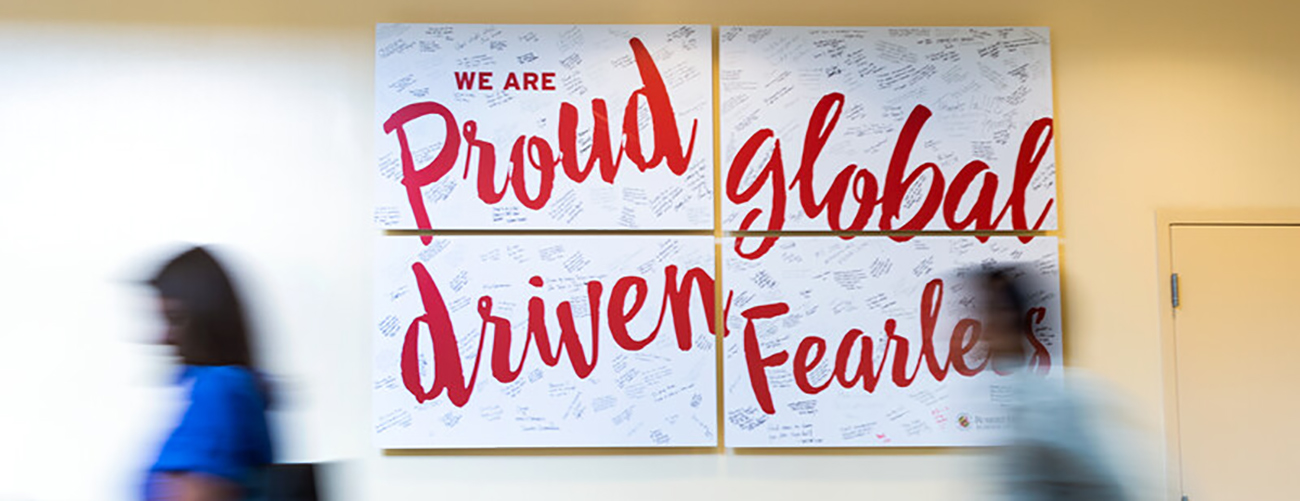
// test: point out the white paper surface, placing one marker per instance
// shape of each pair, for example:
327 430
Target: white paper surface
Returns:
657 394
831 287
662 180
926 129
982 91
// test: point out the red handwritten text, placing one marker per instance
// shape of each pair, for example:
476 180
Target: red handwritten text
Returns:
539 154
626 299
942 197
864 371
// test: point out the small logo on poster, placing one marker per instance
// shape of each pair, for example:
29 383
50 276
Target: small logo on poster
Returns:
964 421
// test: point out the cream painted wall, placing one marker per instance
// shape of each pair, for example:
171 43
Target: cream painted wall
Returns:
128 126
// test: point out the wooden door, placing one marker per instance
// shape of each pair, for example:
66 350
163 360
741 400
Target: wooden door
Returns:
1238 360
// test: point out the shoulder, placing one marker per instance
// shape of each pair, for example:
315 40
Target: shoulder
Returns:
222 382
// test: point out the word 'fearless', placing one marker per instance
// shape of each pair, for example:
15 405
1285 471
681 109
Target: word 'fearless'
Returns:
865 371
527 80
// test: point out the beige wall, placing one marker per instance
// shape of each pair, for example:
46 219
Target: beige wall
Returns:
1159 104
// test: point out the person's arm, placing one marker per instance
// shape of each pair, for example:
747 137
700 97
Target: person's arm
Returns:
203 459
187 486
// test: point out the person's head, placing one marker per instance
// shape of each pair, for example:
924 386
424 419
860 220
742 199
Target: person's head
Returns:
205 321
1004 305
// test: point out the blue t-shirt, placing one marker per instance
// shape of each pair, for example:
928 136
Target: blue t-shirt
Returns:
223 432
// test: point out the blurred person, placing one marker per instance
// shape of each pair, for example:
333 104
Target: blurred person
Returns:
221 447
1055 449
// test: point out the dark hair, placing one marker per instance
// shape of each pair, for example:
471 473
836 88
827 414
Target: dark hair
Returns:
1008 283
1007 288
216 332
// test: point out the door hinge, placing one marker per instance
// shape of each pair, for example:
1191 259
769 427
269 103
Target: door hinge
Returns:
1173 288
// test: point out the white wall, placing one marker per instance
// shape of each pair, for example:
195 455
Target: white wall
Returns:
128 126
118 143
121 142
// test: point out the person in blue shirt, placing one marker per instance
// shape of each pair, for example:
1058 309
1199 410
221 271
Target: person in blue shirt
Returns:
222 444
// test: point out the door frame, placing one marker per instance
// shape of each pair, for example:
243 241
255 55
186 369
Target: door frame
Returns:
1166 220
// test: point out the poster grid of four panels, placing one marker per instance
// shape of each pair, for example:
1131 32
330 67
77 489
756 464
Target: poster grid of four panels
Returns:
505 336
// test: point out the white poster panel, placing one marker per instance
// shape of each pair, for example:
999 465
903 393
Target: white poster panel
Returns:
873 342
533 341
886 129
543 127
